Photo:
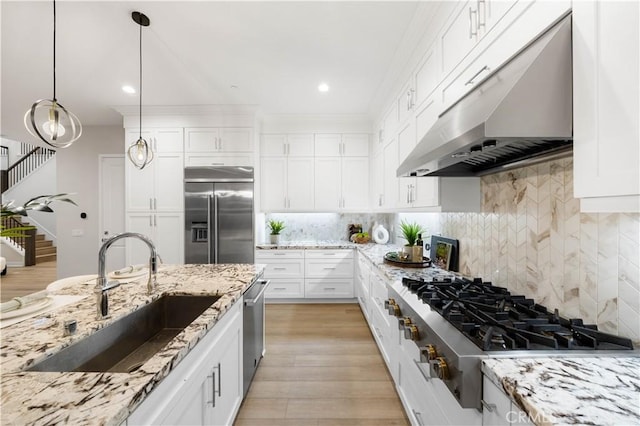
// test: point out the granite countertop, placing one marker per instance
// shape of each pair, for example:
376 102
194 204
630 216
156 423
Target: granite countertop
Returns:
571 390
308 245
106 398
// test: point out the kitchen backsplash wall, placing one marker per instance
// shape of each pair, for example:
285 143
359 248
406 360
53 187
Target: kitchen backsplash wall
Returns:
532 239
323 226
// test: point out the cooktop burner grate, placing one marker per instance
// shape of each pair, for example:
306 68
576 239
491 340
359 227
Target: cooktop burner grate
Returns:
496 320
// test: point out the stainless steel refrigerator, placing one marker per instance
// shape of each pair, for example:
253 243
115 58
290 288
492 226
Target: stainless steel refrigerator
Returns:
218 214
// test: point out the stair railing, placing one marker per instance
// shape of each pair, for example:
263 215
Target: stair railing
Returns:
33 159
26 242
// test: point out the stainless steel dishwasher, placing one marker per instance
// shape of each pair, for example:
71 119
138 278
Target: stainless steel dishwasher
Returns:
253 333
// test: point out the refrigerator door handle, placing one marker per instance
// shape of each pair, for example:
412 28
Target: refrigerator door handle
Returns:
215 227
209 228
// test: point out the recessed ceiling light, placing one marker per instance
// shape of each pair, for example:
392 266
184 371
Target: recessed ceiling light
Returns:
129 89
323 87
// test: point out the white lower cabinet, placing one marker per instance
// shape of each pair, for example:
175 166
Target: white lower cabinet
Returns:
285 269
206 386
312 274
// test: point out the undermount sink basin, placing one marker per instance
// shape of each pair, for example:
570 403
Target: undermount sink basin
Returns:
122 347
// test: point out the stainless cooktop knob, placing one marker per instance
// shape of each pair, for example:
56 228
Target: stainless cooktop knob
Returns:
411 332
429 353
441 368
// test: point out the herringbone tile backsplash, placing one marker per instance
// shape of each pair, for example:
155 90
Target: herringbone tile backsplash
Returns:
532 239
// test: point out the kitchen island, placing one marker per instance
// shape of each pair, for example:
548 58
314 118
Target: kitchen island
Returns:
106 398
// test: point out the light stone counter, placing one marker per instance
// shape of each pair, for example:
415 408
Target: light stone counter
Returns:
106 398
308 245
558 391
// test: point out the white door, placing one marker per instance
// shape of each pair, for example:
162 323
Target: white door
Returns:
300 183
111 220
273 182
355 183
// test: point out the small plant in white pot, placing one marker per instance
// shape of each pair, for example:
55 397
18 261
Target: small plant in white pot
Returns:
276 227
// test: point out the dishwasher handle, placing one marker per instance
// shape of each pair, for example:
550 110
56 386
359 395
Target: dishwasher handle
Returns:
252 302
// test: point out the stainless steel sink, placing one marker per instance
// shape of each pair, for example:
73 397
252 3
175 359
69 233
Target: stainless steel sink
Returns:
130 341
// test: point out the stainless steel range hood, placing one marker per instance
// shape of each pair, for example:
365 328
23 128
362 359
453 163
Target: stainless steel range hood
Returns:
520 113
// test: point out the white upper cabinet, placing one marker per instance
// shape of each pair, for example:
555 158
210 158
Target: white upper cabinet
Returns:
159 186
606 105
459 35
286 184
212 139
341 183
328 145
291 145
427 75
341 145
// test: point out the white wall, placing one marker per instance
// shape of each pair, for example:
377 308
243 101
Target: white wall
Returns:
78 172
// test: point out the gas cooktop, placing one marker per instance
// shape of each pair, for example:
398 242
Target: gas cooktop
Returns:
496 320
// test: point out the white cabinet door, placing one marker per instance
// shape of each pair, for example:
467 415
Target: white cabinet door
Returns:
202 140
228 382
377 180
355 145
390 180
390 123
159 186
168 140
300 181
327 190
273 183
459 35
236 139
169 182
166 230
328 288
213 139
139 186
606 105
406 102
406 140
273 145
285 288
169 237
328 145
355 183
300 145
427 75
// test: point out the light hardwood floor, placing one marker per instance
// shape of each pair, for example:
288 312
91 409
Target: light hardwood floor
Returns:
322 368
27 280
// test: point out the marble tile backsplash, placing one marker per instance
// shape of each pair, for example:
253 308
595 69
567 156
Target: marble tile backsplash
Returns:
532 239
324 226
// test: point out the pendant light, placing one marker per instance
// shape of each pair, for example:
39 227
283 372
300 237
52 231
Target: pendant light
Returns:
47 119
139 152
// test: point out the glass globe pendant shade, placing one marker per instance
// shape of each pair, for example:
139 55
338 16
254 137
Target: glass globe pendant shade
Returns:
140 154
52 123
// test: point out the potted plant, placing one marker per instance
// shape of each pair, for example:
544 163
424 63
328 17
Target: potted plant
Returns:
410 233
276 226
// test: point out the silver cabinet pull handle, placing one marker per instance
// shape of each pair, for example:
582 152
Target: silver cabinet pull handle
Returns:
471 26
213 389
489 407
483 22
219 381
150 203
418 417
471 82
284 149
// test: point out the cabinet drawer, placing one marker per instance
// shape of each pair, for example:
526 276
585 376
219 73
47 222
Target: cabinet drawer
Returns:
192 160
328 288
498 405
284 269
320 268
285 288
279 254
329 254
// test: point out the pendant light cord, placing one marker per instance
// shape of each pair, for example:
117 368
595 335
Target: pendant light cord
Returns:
54 51
140 81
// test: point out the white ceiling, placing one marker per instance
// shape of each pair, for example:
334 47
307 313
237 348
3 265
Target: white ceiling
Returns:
276 53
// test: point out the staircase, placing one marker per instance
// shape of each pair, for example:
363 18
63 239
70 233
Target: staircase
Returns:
44 249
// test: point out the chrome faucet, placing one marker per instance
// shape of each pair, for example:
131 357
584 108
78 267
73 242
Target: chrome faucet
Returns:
103 285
